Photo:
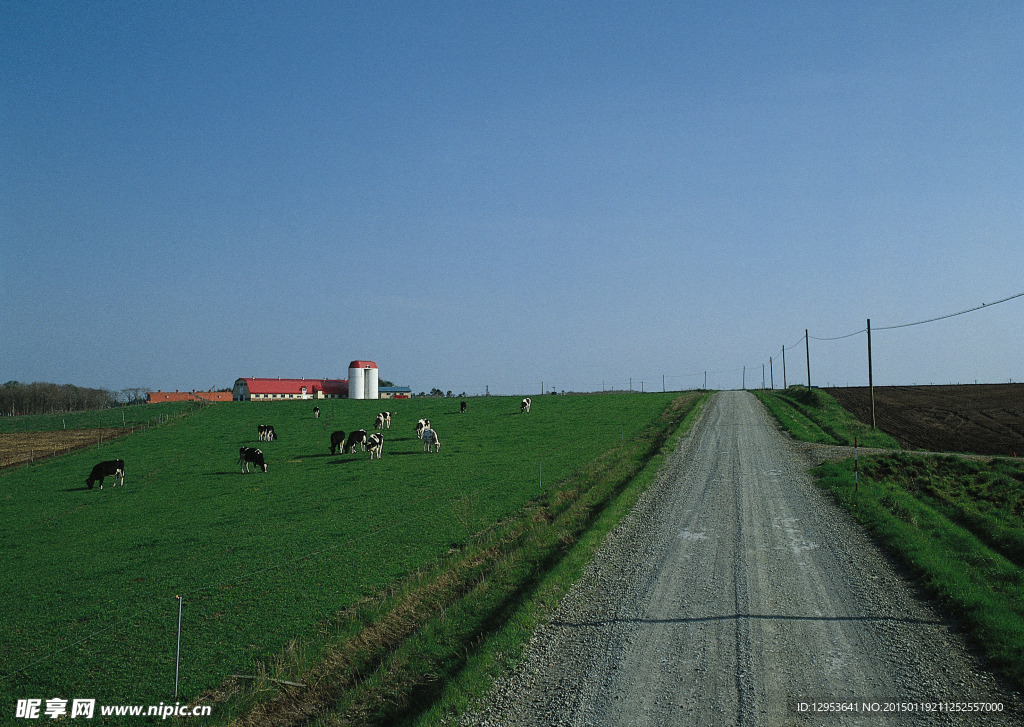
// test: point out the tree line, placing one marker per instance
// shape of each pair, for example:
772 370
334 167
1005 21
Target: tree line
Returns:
42 398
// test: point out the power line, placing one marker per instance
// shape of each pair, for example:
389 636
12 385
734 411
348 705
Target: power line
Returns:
918 323
836 338
950 315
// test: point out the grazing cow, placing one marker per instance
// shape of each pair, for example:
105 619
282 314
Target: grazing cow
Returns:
462 407
375 443
356 437
253 455
420 426
316 412
524 408
112 468
266 432
383 420
430 439
337 441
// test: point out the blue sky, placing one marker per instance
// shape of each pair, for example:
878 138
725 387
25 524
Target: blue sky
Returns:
494 195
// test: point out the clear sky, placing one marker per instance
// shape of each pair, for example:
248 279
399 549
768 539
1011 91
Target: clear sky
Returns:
483 194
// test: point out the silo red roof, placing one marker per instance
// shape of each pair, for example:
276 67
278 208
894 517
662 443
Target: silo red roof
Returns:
362 365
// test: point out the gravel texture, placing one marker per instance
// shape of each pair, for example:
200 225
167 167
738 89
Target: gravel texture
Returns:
734 593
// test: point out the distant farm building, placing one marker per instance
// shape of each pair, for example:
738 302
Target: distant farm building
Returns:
157 397
253 389
362 383
394 392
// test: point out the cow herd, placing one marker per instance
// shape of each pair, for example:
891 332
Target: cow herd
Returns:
372 443
342 443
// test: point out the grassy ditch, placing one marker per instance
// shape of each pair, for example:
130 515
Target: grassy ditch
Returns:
811 415
959 526
424 648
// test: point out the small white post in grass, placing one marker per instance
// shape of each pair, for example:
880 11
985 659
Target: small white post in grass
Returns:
177 658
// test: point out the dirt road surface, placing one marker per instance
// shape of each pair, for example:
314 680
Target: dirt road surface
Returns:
736 593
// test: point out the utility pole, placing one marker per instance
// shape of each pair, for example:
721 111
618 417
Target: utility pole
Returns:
871 378
744 378
807 343
784 385
771 372
762 376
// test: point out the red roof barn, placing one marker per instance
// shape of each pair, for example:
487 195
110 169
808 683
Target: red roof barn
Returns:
253 389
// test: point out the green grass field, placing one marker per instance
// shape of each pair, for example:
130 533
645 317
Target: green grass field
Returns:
89 600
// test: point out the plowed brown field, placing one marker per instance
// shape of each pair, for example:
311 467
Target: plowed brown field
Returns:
978 418
20 447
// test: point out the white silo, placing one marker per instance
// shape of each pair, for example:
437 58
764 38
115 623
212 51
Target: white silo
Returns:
362 380
371 377
355 383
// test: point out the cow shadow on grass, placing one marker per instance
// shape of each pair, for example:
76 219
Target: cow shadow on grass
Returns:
349 459
83 488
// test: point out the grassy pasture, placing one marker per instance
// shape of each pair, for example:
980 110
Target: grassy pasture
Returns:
260 559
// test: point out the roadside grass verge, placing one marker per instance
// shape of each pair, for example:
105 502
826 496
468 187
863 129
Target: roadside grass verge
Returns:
426 648
502 651
812 415
959 527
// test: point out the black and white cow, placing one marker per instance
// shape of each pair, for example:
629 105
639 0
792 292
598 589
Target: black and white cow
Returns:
462 407
316 412
337 441
430 439
420 426
524 407
266 432
253 455
375 443
383 420
112 468
356 437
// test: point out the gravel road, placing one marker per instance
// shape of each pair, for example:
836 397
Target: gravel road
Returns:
735 593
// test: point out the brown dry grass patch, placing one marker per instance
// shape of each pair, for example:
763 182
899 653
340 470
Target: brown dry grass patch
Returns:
21 447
